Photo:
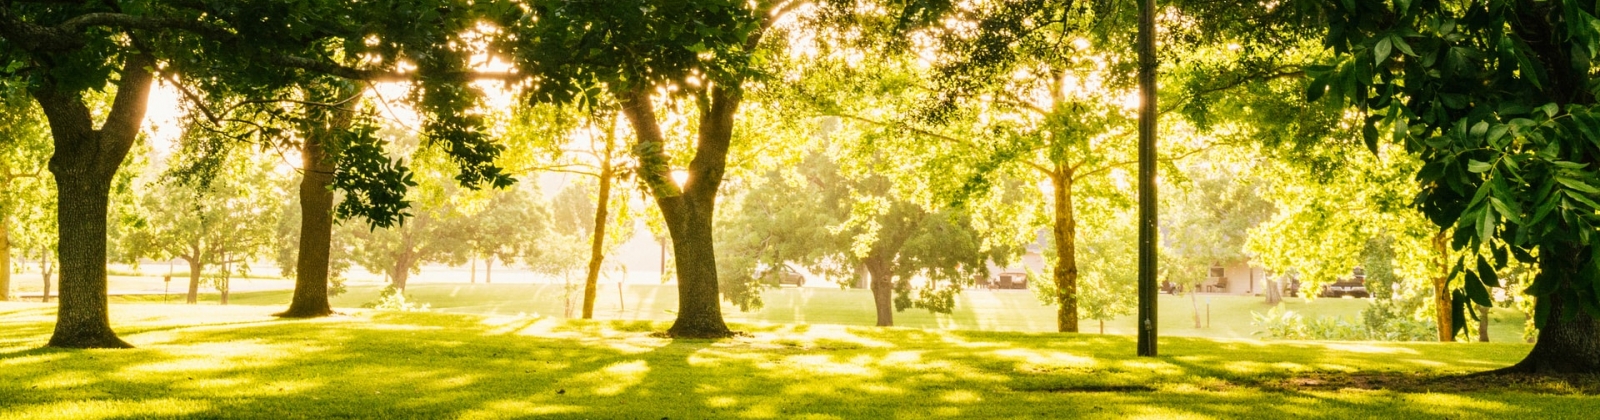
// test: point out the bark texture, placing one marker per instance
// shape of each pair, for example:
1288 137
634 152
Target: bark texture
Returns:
194 280
85 162
316 226
1566 345
1441 289
882 285
1066 237
597 243
5 259
688 210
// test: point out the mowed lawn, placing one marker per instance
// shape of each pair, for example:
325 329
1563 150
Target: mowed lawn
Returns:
238 362
982 310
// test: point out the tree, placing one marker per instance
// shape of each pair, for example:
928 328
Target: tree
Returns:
834 222
643 54
23 184
503 227
64 50
209 216
1497 100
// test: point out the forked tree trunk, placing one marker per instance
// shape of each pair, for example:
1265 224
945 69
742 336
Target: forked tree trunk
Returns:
597 243
688 210
85 162
882 284
1564 346
1066 269
316 223
194 279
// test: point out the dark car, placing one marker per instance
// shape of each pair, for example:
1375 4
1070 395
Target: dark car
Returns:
783 275
1354 286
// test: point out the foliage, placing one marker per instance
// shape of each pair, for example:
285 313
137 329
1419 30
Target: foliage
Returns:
1279 323
1496 98
394 299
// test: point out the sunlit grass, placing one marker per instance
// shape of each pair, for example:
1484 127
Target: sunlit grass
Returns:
237 361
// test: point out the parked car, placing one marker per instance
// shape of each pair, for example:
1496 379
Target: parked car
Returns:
1355 286
783 275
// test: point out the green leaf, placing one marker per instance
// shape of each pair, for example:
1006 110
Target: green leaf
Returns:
1402 128
1369 135
1576 184
1476 291
1400 44
1478 167
1486 225
1486 273
1496 133
1380 52
1551 109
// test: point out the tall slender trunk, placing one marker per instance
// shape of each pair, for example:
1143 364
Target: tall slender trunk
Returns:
488 268
882 285
688 210
1565 345
45 271
472 265
316 223
1066 269
1441 288
591 282
194 279
5 258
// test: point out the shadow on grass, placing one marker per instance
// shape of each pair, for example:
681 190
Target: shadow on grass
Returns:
410 365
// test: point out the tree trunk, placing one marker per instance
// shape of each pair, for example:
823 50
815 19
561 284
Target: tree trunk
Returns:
1066 269
402 272
194 279
1441 289
85 162
1274 292
316 224
472 267
45 270
488 269
1195 300
1483 323
882 285
1564 346
597 242
688 210
5 259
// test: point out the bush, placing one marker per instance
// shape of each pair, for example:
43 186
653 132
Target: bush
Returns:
1279 323
391 299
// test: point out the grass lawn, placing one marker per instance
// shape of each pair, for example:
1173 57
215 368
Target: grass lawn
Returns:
983 310
237 362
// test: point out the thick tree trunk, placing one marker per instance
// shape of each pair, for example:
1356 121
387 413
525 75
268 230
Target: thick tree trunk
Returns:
194 279
688 210
1066 269
597 242
316 224
85 162
882 285
1274 292
402 272
1441 289
1565 346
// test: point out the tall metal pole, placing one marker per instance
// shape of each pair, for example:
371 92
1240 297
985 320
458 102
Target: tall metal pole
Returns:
1147 178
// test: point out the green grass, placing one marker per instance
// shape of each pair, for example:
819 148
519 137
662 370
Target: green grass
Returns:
237 362
983 310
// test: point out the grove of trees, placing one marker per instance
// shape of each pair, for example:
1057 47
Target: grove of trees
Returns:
1446 147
